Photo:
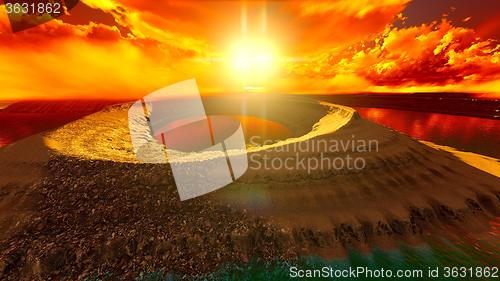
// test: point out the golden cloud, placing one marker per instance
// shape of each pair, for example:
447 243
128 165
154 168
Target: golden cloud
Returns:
436 54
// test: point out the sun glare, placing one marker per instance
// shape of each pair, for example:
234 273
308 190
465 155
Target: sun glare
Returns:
253 60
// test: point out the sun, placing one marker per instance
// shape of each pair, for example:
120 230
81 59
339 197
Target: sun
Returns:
253 59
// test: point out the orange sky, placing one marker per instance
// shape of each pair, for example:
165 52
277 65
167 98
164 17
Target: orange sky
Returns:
128 48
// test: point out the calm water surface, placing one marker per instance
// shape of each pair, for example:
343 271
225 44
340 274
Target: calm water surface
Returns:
465 133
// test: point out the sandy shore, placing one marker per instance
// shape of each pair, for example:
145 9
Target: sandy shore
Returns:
86 204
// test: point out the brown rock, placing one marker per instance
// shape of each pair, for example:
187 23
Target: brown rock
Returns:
55 259
3 267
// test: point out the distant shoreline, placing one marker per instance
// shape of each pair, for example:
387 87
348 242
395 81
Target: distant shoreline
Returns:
462 105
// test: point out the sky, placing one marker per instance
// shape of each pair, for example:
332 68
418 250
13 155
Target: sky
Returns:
128 48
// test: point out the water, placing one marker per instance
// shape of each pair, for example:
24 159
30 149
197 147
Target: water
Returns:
479 135
26 118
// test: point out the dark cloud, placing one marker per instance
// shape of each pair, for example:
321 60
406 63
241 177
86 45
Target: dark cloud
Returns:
481 16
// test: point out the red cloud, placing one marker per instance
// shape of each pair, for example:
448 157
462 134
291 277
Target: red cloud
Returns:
431 54
436 54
